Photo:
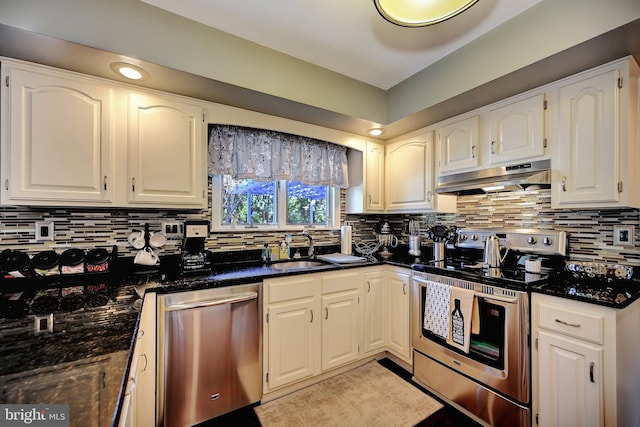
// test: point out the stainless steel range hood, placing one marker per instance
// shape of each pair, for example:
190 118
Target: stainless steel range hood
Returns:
505 178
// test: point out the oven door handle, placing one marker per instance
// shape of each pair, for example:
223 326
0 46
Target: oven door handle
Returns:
490 297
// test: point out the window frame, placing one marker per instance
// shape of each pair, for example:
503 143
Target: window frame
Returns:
333 211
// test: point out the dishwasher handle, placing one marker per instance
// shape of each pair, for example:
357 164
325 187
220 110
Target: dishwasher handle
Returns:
231 299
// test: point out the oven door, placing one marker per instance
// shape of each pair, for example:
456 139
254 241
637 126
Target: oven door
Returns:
499 354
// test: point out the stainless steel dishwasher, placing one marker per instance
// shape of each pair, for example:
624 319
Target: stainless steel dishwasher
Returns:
210 353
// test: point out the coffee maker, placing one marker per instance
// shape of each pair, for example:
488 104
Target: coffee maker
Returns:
195 258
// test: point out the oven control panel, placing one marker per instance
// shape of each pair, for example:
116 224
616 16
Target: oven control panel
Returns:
542 242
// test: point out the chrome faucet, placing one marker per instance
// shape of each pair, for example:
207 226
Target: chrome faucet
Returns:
306 234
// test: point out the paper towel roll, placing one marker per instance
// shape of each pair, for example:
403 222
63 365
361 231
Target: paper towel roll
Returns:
345 240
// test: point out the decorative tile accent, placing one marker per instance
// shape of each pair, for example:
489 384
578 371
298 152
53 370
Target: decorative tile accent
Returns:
590 231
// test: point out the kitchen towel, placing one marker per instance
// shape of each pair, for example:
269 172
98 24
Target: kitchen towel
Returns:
346 246
461 312
436 309
475 317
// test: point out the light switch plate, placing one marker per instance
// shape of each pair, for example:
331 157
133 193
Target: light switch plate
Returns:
44 231
624 235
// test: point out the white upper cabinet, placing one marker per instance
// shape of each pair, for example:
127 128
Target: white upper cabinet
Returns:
507 132
73 140
166 151
596 157
56 138
458 141
409 174
366 179
517 130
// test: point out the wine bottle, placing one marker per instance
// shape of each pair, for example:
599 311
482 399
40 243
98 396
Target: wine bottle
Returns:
457 324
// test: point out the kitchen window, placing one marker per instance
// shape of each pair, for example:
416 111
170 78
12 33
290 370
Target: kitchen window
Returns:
246 204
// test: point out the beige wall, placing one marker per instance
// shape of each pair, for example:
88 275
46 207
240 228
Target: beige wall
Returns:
135 29
138 30
548 28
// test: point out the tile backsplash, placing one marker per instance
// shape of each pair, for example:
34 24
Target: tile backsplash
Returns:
590 231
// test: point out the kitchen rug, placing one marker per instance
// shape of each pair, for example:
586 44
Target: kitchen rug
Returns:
370 395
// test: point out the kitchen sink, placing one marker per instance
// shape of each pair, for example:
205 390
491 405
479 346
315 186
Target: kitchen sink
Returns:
298 265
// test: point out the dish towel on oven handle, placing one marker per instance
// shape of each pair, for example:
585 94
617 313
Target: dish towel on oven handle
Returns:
436 309
461 313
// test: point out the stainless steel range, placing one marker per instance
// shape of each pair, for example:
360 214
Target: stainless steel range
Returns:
485 373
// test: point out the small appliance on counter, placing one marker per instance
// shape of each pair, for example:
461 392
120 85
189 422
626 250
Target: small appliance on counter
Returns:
386 239
195 258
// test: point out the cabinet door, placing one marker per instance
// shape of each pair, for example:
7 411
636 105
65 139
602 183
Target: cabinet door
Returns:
570 382
517 130
56 139
144 399
374 311
339 329
291 342
374 182
588 145
409 174
399 324
458 145
167 152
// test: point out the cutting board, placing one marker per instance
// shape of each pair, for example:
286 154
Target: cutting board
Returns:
341 258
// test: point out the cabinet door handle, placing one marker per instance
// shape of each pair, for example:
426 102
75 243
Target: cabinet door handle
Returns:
146 362
6 184
564 183
591 366
564 322
370 198
140 333
473 151
133 185
105 183
326 313
132 381
493 147
404 288
368 286
311 321
428 196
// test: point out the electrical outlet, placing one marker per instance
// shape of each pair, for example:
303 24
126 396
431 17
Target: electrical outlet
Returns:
44 231
172 229
42 324
623 235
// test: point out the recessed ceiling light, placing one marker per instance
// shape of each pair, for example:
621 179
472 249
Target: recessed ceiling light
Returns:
420 13
376 131
130 71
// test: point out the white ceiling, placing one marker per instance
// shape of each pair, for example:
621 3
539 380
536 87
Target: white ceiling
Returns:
346 36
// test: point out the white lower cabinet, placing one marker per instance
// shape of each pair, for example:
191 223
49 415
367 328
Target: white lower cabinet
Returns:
375 312
139 401
340 317
315 323
583 357
291 330
571 397
398 324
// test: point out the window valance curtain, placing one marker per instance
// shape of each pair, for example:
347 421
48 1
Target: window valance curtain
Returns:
265 155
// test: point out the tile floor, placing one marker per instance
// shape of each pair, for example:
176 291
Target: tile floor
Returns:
445 417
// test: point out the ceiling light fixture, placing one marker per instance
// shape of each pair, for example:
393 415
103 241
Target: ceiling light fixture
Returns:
130 71
420 13
376 131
